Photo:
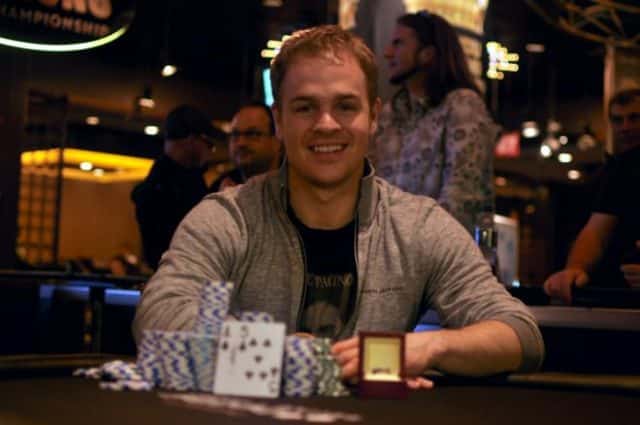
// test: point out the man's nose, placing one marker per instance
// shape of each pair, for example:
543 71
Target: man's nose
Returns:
326 122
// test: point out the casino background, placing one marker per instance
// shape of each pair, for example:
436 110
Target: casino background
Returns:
62 224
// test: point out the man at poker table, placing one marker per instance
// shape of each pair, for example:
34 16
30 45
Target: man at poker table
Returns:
330 249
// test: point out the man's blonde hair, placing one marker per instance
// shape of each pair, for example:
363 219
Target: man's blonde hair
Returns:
328 41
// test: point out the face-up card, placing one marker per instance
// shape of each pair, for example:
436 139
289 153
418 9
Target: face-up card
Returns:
249 361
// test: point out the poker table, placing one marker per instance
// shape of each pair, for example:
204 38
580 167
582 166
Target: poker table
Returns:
49 396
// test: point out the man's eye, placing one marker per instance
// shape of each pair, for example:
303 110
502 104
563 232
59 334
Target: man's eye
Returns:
348 107
302 108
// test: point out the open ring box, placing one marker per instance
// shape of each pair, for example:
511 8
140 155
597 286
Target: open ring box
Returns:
381 371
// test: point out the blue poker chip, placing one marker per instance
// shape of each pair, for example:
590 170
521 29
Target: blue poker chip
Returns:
299 367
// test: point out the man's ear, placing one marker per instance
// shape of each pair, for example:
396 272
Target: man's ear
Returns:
375 113
277 120
426 55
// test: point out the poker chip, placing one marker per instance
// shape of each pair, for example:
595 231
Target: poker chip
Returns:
126 386
215 299
327 371
255 316
299 367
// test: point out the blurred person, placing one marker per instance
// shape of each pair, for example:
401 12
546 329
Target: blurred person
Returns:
175 183
253 146
607 250
435 137
328 248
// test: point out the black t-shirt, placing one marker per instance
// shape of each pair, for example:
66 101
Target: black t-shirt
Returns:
330 278
619 195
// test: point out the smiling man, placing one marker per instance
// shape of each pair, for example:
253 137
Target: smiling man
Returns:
330 249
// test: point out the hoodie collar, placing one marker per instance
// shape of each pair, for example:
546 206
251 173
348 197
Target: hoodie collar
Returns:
367 197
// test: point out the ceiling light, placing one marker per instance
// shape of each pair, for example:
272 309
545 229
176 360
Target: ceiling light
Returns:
565 157
272 3
586 142
563 140
92 120
86 166
151 130
501 181
545 151
98 172
535 48
553 126
169 70
530 129
146 100
574 174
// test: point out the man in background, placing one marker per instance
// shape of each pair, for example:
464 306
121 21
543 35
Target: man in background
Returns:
175 183
607 250
253 146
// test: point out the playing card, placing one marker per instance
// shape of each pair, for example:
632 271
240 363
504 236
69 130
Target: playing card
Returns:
249 359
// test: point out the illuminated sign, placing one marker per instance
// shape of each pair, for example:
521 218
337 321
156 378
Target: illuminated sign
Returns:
500 59
63 25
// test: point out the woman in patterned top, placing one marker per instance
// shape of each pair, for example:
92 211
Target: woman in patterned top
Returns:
435 137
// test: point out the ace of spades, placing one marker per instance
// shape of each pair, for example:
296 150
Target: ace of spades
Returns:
249 361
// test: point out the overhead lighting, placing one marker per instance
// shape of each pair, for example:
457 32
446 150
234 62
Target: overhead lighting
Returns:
500 59
501 181
563 140
586 142
272 3
92 120
535 48
146 100
553 126
565 157
73 47
574 174
552 142
113 168
545 151
151 130
530 129
169 70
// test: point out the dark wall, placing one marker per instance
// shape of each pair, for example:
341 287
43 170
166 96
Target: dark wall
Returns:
12 105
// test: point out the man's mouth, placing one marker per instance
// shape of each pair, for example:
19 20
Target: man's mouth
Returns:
328 148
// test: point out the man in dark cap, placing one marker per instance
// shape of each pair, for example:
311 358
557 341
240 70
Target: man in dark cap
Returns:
175 183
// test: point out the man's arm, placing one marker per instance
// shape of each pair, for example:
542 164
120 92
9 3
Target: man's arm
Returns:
479 349
203 249
584 256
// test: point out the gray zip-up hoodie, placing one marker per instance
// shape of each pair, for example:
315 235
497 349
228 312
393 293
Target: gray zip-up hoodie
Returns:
411 255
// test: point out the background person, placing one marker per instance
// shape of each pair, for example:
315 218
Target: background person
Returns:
607 250
253 146
435 136
175 183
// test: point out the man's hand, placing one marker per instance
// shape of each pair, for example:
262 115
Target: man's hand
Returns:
558 285
420 352
631 271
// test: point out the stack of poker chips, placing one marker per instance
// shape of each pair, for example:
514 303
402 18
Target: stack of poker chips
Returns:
186 361
327 372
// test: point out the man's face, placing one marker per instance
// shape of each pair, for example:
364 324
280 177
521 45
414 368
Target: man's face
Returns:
325 120
402 54
625 122
251 144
